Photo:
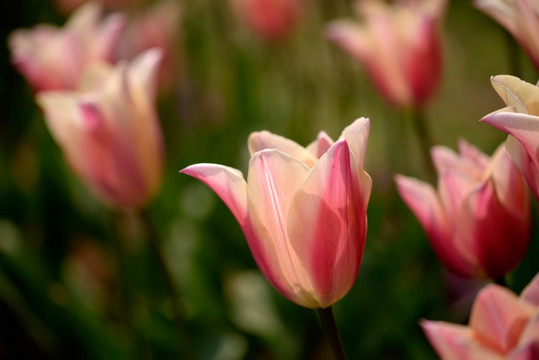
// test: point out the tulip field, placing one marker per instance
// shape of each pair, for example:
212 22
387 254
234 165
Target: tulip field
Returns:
269 179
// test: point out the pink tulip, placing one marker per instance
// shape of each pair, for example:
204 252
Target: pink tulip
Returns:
271 19
478 221
156 27
520 119
109 130
54 59
520 18
302 210
502 327
399 45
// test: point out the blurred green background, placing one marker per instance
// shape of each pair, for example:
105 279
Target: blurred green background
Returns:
78 280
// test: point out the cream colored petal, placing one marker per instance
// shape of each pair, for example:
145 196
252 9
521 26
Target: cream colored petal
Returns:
262 140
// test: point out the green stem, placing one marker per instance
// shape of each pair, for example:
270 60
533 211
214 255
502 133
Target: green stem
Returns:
332 333
177 313
425 138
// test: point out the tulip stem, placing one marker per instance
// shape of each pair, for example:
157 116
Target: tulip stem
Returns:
177 313
425 139
332 333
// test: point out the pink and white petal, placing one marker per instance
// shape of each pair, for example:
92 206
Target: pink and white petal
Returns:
454 185
485 227
525 163
262 140
455 342
352 38
142 73
227 183
517 93
530 294
503 12
327 226
273 179
530 334
498 318
322 143
473 154
107 39
357 136
423 200
445 159
511 187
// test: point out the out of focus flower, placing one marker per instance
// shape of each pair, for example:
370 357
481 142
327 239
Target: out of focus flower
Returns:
400 46
54 59
520 119
109 130
66 6
478 221
520 18
502 326
302 210
157 27
271 19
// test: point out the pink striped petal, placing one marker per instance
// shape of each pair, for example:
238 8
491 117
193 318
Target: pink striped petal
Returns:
265 140
455 342
530 334
227 183
322 143
327 224
525 163
422 199
498 318
273 179
484 227
530 294
357 135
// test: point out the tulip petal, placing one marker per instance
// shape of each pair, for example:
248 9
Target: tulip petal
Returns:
498 318
322 143
227 183
529 351
422 199
327 224
143 73
524 128
357 135
261 140
530 293
273 179
485 226
455 342
521 95
530 336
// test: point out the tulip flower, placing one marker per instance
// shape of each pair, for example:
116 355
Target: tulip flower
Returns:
520 119
520 18
302 210
109 130
502 327
54 59
271 19
400 46
478 221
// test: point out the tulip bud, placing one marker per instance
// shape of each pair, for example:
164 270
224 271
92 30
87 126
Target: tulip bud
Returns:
478 221
109 130
399 45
